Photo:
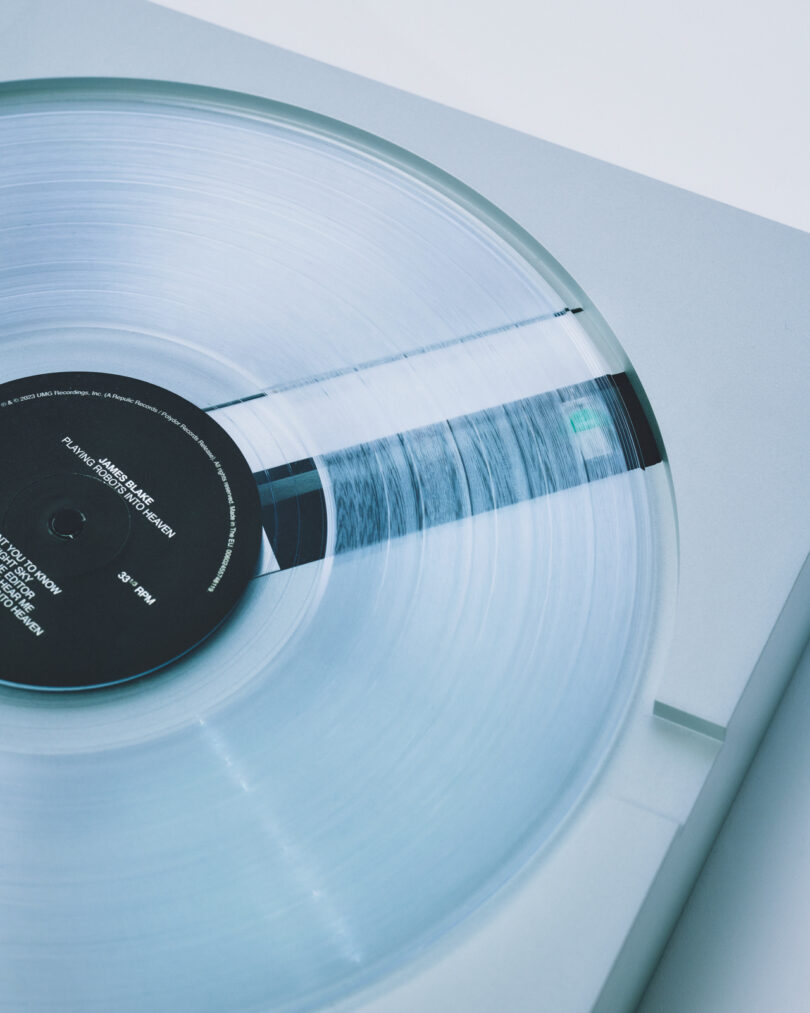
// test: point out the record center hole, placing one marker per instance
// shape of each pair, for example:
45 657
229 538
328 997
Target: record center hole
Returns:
67 522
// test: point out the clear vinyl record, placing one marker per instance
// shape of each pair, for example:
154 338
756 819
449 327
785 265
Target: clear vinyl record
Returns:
449 522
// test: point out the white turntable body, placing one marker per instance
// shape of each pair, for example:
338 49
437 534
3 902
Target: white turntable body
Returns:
709 304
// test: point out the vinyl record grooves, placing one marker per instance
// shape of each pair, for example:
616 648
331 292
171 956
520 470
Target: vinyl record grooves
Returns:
457 584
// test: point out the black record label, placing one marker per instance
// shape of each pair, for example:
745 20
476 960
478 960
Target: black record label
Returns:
129 528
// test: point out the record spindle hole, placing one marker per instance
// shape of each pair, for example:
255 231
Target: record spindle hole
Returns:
67 523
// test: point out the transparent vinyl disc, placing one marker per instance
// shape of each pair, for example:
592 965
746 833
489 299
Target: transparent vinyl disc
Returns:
457 592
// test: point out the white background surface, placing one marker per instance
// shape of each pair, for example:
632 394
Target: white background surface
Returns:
712 97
